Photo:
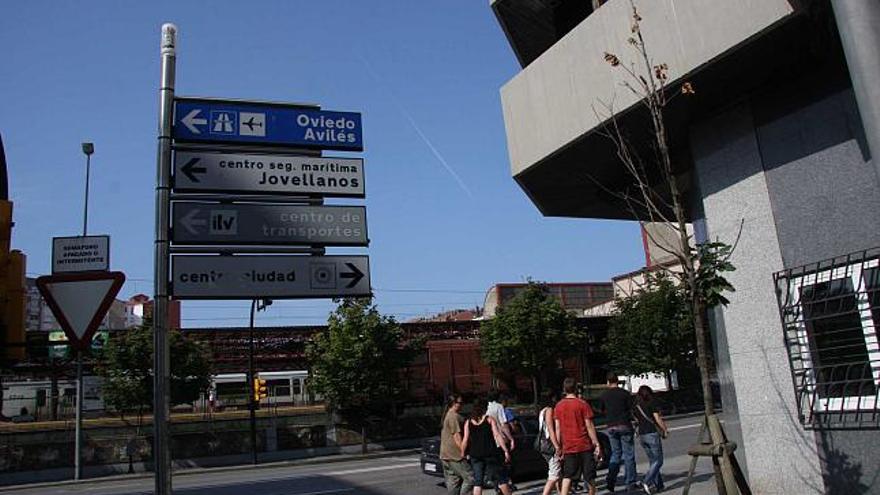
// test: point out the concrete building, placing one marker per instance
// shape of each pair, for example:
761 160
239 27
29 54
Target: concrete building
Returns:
778 139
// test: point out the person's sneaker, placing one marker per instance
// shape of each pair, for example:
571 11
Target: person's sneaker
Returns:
647 489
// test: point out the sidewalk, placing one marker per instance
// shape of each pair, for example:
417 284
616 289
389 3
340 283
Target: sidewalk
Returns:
196 470
674 473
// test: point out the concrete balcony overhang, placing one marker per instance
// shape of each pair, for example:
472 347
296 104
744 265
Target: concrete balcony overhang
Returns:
533 26
557 154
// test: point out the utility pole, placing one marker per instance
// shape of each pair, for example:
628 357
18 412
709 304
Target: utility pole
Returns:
256 305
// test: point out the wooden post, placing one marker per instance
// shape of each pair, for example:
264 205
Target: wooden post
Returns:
729 477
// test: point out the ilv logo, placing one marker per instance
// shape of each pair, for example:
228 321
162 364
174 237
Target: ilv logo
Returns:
223 222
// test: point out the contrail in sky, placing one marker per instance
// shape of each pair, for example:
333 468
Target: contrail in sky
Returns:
415 126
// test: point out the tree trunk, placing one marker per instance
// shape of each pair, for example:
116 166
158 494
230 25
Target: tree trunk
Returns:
697 307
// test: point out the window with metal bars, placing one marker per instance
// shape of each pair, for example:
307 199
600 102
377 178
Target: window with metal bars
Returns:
830 313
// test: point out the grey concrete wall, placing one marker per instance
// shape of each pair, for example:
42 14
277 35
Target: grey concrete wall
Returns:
781 457
823 191
550 102
825 198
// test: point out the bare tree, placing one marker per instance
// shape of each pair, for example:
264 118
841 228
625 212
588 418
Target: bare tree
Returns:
655 195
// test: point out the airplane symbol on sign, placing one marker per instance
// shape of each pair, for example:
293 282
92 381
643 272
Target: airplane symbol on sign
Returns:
251 124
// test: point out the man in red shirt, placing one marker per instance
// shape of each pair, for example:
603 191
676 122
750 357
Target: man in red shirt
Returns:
577 434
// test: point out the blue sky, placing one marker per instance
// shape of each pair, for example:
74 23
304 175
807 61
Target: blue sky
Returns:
446 220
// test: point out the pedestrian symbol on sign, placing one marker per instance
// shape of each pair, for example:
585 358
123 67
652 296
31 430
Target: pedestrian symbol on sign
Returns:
223 122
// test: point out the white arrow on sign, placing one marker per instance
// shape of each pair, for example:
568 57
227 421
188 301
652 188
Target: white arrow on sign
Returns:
190 121
190 222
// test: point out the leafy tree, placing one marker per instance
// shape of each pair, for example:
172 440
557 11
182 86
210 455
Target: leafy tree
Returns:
651 330
126 365
529 335
356 362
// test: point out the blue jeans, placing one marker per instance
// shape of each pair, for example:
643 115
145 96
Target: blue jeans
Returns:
622 448
654 450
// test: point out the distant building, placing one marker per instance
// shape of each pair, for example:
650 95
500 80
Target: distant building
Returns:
35 307
574 297
140 306
452 315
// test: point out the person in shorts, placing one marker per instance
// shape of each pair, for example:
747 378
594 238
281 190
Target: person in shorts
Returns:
480 445
495 410
577 436
547 429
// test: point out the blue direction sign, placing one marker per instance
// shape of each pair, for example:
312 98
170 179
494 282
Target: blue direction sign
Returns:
201 120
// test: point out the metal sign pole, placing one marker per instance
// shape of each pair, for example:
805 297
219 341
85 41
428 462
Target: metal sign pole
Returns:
252 376
77 463
161 365
77 442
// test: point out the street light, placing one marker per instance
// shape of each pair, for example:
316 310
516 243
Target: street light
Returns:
88 149
256 305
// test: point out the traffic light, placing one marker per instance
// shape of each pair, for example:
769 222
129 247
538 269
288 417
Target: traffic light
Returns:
12 281
261 390
13 293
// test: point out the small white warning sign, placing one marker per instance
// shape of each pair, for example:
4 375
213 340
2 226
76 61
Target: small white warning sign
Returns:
80 254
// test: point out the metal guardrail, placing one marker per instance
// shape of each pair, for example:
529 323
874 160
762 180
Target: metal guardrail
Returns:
147 420
830 312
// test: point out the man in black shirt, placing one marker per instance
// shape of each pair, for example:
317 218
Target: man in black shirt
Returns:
617 404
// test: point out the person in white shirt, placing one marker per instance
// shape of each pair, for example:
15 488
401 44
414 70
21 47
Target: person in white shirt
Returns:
495 410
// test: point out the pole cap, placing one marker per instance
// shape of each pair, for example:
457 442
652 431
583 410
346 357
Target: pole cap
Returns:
169 38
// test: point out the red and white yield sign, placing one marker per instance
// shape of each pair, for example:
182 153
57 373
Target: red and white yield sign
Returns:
80 301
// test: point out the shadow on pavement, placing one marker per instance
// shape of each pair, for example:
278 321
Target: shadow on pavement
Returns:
681 478
299 485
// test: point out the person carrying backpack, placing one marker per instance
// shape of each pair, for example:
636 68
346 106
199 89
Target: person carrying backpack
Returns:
651 429
547 443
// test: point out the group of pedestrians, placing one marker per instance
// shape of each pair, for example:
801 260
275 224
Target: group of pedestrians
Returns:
627 418
478 448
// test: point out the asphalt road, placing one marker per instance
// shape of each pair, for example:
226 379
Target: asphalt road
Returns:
396 475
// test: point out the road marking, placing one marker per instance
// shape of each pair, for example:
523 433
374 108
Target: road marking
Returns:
685 427
368 470
401 463
339 490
